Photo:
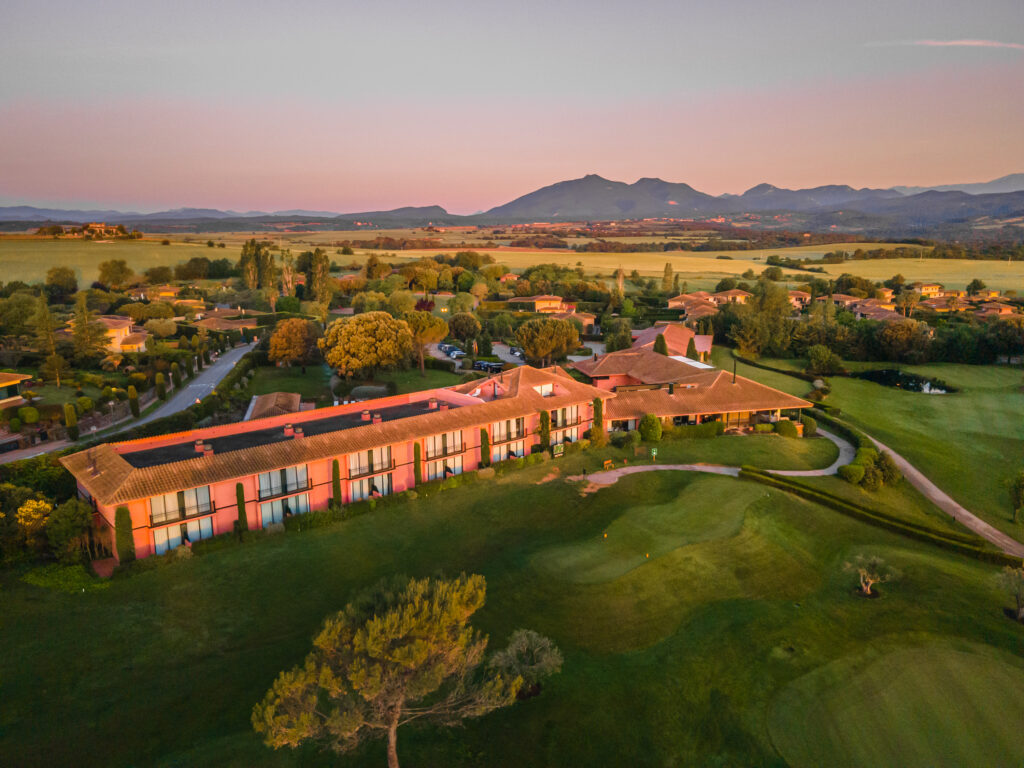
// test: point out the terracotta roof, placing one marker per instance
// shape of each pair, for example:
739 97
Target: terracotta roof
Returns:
115 322
117 481
644 364
6 379
677 338
274 404
733 292
133 339
800 294
707 392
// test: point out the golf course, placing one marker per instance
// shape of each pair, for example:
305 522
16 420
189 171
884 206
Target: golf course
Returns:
704 620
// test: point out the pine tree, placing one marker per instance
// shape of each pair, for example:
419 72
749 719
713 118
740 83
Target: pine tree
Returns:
88 336
45 325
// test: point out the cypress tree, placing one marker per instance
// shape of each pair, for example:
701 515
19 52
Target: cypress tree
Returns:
485 448
545 429
660 345
124 540
336 484
161 386
71 421
190 369
598 437
176 375
133 400
417 465
243 519
691 349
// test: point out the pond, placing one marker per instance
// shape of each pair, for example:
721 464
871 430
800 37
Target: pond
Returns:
890 377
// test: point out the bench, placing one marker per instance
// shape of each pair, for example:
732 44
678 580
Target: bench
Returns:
609 464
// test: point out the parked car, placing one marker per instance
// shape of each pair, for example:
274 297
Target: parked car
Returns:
446 348
487 366
455 354
517 352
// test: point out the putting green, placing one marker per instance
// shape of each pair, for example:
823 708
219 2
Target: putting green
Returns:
936 705
646 532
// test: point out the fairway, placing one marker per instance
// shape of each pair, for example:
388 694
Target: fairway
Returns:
924 707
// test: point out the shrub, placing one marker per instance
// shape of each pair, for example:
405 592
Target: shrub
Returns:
28 415
66 529
485 448
14 424
650 428
161 386
764 428
872 479
133 400
124 539
84 404
71 421
785 428
852 473
891 474
486 473
242 522
810 426
176 375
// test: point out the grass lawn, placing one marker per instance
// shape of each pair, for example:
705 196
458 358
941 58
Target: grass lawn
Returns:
968 443
765 451
313 385
690 634
410 380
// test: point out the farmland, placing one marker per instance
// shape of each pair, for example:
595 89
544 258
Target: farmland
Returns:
707 619
28 259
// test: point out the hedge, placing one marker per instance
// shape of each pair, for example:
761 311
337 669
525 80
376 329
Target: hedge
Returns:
124 540
810 426
956 542
785 428
699 431
439 365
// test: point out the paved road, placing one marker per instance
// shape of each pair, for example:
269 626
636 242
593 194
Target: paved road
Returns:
846 454
503 353
944 502
199 387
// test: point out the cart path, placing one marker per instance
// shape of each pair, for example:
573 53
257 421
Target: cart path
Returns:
945 502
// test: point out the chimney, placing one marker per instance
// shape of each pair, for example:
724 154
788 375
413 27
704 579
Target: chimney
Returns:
432 403
298 433
199 446
207 449
366 415
93 469
376 418
671 388
289 430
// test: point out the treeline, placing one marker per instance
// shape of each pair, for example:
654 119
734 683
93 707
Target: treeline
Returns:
991 252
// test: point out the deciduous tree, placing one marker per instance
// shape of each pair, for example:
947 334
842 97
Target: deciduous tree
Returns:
401 652
294 342
115 273
426 328
544 339
870 570
366 342
67 528
464 326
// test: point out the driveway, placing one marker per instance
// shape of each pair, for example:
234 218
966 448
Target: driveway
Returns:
503 352
437 354
199 387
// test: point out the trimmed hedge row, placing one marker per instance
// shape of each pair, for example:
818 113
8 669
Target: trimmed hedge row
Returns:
957 542
697 431
795 374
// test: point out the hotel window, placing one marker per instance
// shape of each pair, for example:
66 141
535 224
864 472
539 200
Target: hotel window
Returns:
510 429
443 445
369 487
174 506
283 481
507 451
565 436
438 470
172 536
276 511
565 416
368 462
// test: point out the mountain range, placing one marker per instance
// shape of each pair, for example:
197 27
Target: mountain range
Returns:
595 198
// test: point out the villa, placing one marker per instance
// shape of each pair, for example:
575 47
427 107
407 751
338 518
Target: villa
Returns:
677 339
184 487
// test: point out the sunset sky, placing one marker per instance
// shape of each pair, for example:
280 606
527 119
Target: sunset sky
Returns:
347 106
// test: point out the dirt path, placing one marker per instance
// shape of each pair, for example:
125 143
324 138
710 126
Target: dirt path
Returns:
944 502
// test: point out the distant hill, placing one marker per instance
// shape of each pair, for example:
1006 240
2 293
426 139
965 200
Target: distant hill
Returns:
765 197
1014 182
594 197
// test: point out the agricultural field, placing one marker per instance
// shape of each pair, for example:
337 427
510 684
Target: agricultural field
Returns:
29 258
968 443
704 620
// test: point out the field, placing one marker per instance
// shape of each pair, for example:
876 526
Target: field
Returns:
693 634
968 443
29 259
313 385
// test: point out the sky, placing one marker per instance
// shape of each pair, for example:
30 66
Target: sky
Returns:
360 106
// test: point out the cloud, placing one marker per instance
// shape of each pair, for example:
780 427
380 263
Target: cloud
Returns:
950 44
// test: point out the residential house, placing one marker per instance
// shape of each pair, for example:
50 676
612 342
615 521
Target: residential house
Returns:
732 296
10 389
841 300
542 303
799 299
927 290
677 339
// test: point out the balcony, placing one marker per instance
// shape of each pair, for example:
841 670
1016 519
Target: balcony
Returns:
361 472
566 424
286 491
451 450
187 514
511 437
